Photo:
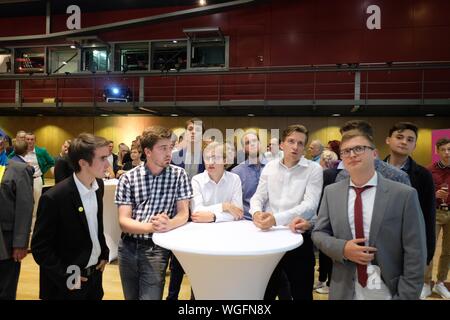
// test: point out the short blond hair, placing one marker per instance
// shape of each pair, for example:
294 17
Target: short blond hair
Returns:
329 158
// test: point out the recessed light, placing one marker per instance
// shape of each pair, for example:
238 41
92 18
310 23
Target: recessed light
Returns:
104 115
73 47
174 115
251 114
174 41
336 115
202 2
430 115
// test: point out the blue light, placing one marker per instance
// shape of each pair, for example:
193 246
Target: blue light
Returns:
115 90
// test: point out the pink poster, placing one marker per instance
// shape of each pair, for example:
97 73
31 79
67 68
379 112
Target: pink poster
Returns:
435 136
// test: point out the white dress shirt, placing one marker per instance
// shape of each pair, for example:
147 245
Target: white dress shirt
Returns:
110 159
289 192
375 289
31 158
89 200
209 196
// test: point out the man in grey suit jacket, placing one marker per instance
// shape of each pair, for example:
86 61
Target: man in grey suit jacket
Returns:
16 199
372 228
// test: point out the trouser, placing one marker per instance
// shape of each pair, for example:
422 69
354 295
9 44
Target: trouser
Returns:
325 268
9 278
176 278
299 267
442 223
37 191
142 268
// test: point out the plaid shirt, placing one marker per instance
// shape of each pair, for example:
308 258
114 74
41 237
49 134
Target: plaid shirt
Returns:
149 195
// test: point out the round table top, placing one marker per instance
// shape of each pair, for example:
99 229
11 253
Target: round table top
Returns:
236 238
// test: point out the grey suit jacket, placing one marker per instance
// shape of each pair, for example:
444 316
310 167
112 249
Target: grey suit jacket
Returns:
16 199
397 231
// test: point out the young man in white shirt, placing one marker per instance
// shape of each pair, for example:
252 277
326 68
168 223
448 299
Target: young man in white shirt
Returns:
290 188
68 241
217 193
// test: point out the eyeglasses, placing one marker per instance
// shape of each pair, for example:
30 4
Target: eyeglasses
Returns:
357 150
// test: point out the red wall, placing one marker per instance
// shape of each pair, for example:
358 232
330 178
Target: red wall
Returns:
278 33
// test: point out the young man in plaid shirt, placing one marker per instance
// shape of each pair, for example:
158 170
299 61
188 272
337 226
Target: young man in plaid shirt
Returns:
152 197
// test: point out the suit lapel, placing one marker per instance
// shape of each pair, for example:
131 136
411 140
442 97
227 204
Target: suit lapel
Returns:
78 205
342 209
379 209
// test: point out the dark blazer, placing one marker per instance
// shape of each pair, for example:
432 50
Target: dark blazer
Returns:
16 200
115 163
422 181
61 236
63 168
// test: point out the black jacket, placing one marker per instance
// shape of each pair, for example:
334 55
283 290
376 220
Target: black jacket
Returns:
422 180
61 236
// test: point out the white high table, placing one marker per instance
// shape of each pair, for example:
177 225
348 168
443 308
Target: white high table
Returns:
111 227
229 260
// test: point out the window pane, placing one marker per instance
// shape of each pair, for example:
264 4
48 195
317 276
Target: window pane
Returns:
208 55
131 57
169 55
95 59
64 60
5 63
31 60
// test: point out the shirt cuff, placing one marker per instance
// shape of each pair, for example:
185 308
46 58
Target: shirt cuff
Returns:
223 217
282 218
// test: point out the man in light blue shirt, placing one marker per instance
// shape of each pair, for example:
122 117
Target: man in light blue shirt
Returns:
250 170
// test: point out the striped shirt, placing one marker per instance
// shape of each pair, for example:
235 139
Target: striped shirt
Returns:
149 195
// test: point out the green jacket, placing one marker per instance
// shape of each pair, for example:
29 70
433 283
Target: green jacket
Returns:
45 160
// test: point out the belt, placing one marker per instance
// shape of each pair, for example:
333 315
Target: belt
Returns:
88 271
146 242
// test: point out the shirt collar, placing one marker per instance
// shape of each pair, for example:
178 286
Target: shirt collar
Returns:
372 182
82 188
146 171
303 162
441 165
404 167
207 179
262 163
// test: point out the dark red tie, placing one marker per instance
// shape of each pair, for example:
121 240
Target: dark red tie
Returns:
359 232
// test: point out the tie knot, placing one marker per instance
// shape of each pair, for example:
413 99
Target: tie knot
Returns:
360 190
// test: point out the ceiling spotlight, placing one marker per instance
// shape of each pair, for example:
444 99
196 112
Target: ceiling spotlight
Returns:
174 115
73 47
202 2
251 114
104 115
336 115
430 115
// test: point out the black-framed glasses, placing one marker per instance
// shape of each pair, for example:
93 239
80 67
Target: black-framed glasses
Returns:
357 150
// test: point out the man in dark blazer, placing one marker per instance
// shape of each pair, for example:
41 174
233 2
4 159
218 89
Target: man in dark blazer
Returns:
16 199
372 228
402 141
68 242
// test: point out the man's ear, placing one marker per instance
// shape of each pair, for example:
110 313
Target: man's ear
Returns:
375 152
388 140
83 163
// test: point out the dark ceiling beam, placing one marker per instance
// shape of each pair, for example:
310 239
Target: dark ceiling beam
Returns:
182 14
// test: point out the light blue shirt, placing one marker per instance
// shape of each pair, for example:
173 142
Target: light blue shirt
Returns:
249 174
